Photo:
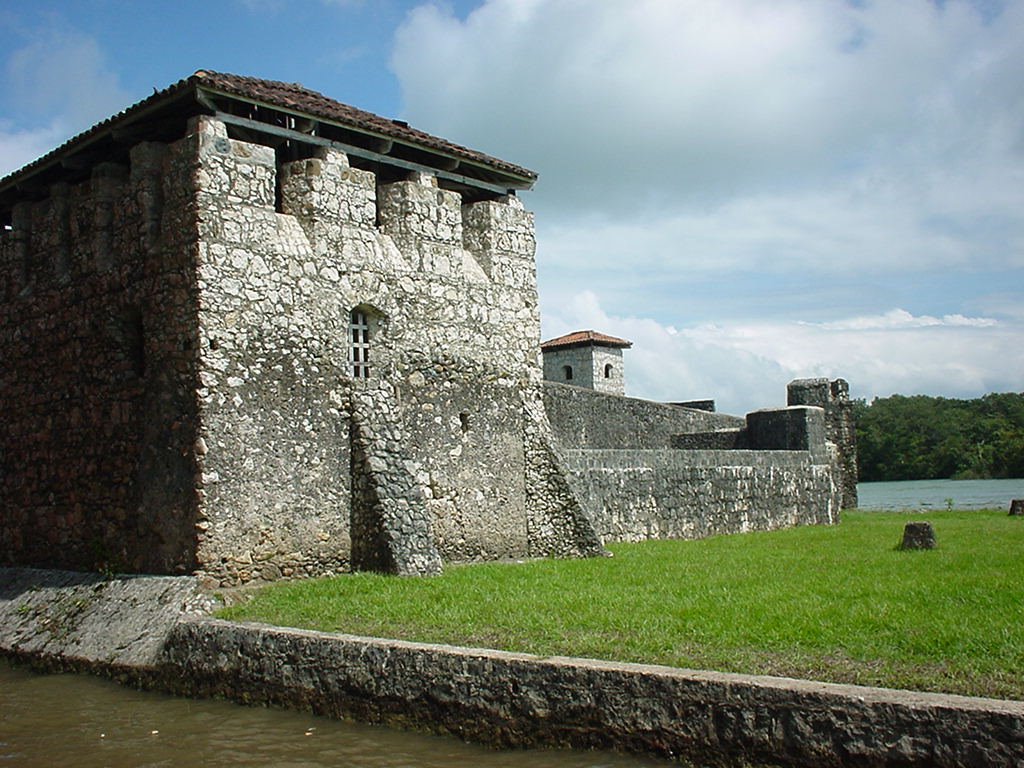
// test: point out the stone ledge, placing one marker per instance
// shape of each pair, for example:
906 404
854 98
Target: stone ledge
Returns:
513 699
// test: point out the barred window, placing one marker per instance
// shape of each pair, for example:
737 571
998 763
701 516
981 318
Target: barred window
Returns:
359 348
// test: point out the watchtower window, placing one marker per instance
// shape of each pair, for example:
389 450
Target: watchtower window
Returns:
568 372
359 350
608 371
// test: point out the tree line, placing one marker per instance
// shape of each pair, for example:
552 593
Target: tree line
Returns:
933 438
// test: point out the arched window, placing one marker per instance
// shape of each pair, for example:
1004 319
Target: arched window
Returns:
608 371
359 346
567 370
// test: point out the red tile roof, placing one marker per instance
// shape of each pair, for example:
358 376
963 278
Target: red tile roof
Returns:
296 97
585 338
190 96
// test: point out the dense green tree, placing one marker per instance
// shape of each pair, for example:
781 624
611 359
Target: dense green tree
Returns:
928 438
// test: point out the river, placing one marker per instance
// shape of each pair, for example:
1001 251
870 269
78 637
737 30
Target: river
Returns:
927 495
83 721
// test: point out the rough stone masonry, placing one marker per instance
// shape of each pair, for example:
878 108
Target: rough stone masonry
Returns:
253 333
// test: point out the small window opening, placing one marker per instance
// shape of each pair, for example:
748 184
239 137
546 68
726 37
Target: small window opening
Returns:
464 422
359 349
135 340
608 371
568 372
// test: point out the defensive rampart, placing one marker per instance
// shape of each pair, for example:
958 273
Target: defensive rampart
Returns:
645 470
583 418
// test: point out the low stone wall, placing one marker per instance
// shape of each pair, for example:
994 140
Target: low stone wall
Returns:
511 699
632 495
150 630
583 418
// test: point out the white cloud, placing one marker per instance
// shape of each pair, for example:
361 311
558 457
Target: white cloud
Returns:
745 366
756 163
900 318
64 72
20 147
61 85
656 102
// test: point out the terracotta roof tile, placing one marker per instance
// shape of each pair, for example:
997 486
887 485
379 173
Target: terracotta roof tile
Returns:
298 98
289 96
581 338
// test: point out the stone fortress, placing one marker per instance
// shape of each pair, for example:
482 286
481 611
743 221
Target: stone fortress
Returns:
250 332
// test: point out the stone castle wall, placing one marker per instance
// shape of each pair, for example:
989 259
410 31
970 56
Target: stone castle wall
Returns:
840 426
680 494
434 440
593 366
583 418
644 470
179 395
218 414
97 335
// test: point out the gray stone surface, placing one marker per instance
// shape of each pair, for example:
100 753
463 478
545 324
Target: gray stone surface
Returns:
178 395
593 366
834 397
918 535
82 621
583 418
644 470
634 495
509 699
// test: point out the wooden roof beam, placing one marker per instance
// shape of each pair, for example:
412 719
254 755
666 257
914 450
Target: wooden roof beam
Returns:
367 154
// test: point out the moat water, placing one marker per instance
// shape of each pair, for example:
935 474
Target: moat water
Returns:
926 495
83 721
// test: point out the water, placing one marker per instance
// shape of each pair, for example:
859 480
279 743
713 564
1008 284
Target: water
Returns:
934 494
82 721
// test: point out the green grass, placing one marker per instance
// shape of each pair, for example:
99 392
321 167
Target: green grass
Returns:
827 603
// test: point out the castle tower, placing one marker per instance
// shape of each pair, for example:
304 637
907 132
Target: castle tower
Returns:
586 359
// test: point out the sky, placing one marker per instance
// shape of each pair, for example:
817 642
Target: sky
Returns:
751 191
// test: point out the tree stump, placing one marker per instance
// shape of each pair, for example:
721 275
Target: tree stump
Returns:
918 536
1017 507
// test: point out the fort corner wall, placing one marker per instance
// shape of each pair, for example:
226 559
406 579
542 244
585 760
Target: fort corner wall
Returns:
98 339
180 394
840 427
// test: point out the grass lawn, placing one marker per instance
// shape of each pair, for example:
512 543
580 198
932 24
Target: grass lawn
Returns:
827 603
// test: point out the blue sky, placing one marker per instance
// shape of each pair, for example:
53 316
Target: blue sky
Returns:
750 190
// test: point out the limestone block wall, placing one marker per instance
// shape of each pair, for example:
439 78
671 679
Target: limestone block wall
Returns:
840 427
633 495
583 418
591 366
644 470
274 464
97 336
302 458
180 394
